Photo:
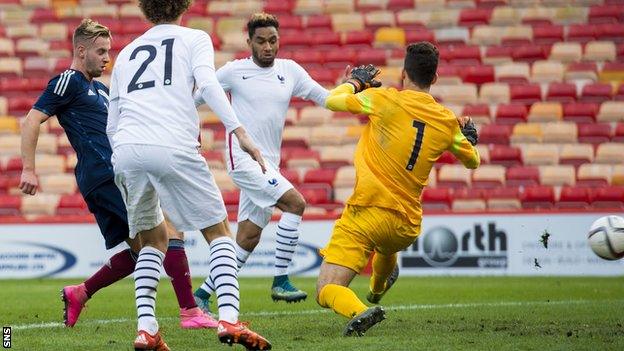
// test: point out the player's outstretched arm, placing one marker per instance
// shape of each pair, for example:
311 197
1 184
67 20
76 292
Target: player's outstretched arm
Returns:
463 149
30 136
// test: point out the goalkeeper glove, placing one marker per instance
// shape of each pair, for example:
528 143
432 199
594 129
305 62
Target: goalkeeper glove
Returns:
470 132
363 77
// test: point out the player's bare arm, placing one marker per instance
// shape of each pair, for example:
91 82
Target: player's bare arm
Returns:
30 136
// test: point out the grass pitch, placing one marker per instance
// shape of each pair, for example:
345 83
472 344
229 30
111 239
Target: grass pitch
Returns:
424 313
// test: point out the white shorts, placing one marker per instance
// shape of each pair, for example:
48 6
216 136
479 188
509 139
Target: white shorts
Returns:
181 181
259 191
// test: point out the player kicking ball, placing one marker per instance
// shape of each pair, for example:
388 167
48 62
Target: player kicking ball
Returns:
406 133
81 105
153 127
261 87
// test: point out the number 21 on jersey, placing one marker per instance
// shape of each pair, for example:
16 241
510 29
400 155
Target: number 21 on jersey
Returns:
420 131
151 50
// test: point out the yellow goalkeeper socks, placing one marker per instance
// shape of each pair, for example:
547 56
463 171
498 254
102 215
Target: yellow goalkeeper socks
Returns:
342 300
382 268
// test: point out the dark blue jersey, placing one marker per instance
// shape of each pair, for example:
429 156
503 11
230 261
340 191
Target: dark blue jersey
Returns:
82 110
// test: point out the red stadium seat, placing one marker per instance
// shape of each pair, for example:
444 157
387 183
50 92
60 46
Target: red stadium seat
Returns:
340 58
525 94
538 197
594 133
358 38
530 53
290 174
465 55
580 112
445 158
10 205
423 34
511 113
522 176
13 166
395 5
280 7
479 111
309 57
619 94
611 32
316 194
562 92
72 205
43 15
495 133
608 197
605 14
436 199
320 176
477 74
547 34
325 40
582 32
293 40
574 198
596 93
619 133
498 52
472 17
4 184
316 22
507 198
372 56
505 155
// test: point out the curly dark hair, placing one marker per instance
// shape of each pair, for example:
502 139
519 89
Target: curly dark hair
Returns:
421 63
163 11
260 20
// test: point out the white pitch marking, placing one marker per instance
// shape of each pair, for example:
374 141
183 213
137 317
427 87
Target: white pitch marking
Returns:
319 311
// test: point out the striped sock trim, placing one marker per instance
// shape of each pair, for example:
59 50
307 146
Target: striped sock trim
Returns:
224 276
146 279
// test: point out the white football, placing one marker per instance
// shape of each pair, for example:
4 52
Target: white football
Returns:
606 237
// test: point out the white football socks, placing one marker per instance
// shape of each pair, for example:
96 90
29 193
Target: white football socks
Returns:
224 274
286 243
146 278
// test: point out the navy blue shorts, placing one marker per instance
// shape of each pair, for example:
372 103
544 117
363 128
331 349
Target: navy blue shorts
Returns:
109 209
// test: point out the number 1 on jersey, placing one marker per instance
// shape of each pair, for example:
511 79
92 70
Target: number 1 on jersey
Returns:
420 130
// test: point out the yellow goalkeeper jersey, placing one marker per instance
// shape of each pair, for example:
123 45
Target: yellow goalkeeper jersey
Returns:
407 132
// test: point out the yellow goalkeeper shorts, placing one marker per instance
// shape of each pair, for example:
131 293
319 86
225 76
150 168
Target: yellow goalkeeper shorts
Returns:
362 229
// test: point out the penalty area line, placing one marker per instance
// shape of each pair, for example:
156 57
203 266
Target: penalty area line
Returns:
320 311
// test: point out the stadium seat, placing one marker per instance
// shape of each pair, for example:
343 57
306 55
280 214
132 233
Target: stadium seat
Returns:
612 71
611 111
10 205
580 112
538 155
523 35
339 6
549 34
526 133
600 51
455 94
503 199
303 159
486 35
10 67
488 176
594 175
618 135
561 92
436 199
452 36
477 74
495 134
594 133
314 116
545 112
581 71
537 14
525 93
336 156
453 176
387 37
610 153
379 18
345 22
617 176
495 55
511 113
8 125
505 155
572 197
566 52
512 72
504 16
608 197
538 197
470 17
10 145
327 135
343 183
562 132
480 113
544 71
58 184
468 200
494 93
576 154
320 176
557 175
316 194
72 204
42 204
596 93
568 15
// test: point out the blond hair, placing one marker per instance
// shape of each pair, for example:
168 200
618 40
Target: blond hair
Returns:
90 30
260 20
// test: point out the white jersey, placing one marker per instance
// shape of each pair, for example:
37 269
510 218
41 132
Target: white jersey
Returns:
152 86
260 97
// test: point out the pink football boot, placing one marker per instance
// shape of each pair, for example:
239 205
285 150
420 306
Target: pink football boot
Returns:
194 318
74 297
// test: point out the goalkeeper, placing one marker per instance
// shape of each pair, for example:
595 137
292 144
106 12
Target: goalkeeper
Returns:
407 132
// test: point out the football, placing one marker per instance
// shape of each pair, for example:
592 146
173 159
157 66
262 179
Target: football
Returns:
606 237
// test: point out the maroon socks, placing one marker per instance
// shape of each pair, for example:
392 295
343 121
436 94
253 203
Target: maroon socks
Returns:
118 267
176 267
